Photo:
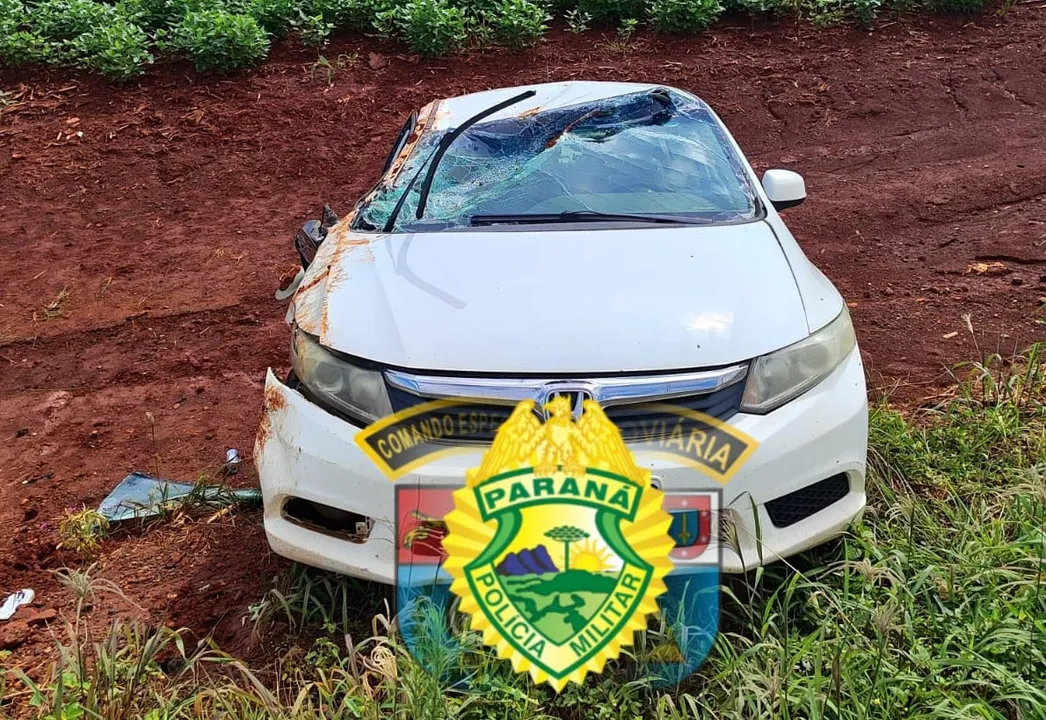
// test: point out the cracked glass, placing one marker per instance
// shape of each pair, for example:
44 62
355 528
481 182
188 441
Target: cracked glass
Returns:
655 152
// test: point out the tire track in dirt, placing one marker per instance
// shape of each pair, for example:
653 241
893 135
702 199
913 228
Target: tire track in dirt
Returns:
143 348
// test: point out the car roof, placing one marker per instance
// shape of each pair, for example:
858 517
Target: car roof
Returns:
452 111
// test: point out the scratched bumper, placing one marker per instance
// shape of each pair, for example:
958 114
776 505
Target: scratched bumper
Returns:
303 451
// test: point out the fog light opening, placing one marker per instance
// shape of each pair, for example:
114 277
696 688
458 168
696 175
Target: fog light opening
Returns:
328 520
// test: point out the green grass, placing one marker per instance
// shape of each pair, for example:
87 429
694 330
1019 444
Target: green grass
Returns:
933 607
122 38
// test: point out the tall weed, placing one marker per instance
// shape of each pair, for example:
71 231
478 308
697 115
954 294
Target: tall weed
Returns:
119 49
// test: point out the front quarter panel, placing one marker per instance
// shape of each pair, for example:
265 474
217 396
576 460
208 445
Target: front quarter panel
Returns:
307 306
821 300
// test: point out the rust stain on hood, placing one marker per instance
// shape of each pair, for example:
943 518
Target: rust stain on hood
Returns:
341 247
313 281
350 248
424 116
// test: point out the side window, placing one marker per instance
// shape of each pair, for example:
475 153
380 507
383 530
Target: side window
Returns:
401 140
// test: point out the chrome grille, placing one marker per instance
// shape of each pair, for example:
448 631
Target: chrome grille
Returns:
627 400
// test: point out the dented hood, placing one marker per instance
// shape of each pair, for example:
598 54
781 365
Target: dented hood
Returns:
554 301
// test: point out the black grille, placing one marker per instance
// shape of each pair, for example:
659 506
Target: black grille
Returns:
636 421
804 502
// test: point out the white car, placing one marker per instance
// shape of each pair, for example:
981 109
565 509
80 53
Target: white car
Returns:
606 238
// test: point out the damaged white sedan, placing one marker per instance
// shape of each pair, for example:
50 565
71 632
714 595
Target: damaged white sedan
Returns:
603 240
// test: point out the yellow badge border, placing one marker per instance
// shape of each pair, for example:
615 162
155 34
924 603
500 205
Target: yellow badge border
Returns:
751 444
396 473
601 450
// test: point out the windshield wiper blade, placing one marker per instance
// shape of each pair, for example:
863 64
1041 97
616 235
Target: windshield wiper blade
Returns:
391 222
444 144
437 155
580 216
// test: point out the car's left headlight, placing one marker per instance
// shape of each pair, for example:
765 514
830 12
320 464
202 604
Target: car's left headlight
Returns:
787 373
356 391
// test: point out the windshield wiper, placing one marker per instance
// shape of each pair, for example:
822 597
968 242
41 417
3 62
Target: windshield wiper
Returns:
445 142
403 199
581 216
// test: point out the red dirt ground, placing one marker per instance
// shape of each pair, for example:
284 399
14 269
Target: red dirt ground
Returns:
168 224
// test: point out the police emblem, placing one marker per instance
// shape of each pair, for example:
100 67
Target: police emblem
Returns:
558 544
693 516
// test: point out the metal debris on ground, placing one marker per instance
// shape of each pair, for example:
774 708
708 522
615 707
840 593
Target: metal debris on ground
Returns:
140 496
14 601
232 461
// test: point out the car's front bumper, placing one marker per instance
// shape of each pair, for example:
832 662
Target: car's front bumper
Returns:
305 452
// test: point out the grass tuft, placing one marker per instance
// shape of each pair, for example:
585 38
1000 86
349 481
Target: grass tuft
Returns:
82 531
56 308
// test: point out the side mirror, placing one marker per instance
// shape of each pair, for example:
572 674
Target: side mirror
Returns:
308 239
784 188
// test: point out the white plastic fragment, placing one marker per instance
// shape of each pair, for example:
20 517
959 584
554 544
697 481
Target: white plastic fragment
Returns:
14 601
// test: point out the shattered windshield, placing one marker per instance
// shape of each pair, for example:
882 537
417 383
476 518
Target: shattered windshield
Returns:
647 153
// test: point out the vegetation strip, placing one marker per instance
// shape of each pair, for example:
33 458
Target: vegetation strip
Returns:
121 38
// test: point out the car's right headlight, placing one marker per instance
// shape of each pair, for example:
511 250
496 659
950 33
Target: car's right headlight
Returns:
356 391
787 373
